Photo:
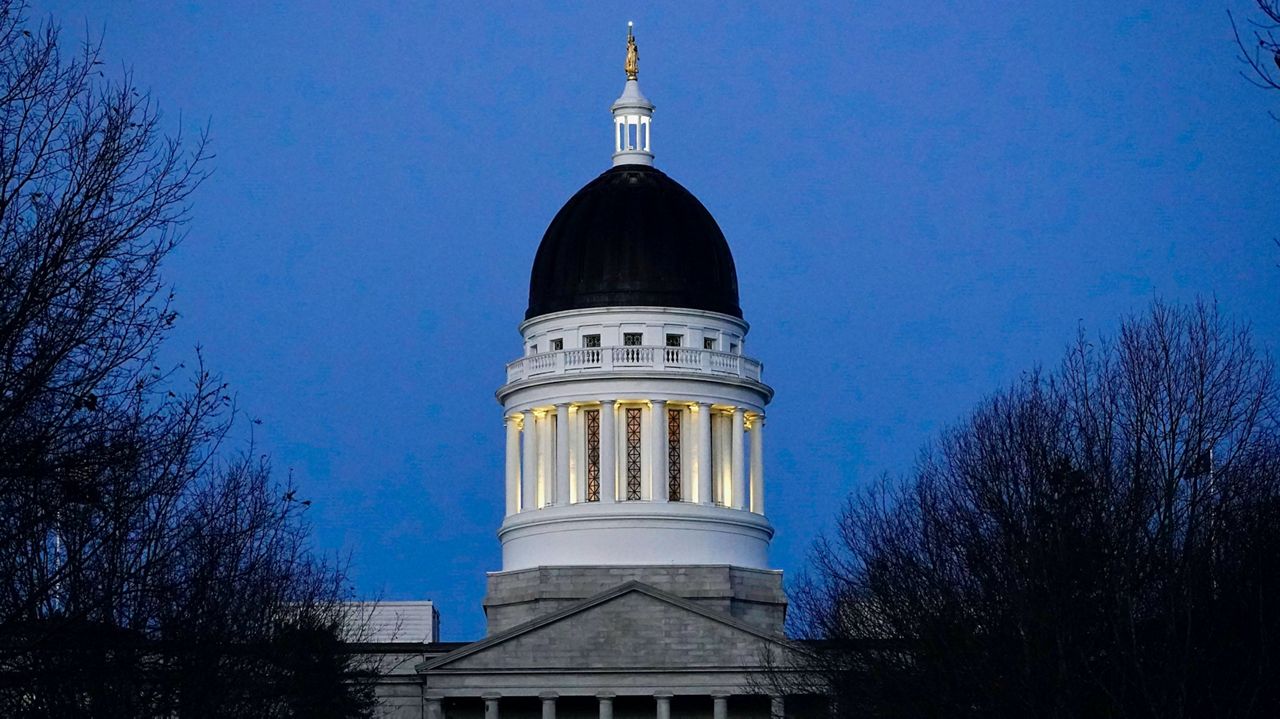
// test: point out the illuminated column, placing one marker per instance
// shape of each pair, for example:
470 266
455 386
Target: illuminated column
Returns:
737 477
491 706
529 462
546 459
513 464
757 464
606 704
777 708
608 453
658 492
704 453
548 705
562 454
576 456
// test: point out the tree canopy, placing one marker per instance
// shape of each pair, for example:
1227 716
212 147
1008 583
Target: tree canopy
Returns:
146 567
1101 539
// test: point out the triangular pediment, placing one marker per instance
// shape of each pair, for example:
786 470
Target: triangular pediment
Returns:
630 627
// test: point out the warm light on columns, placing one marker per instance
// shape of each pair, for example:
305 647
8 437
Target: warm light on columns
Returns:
528 461
546 459
608 452
658 475
702 439
513 464
757 463
561 494
737 473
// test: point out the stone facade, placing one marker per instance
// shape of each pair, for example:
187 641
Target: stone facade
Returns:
633 648
754 596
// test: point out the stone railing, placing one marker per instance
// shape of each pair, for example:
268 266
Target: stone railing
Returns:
607 359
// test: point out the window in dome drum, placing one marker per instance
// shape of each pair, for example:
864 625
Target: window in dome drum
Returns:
632 339
593 454
708 343
633 453
557 345
591 341
673 454
675 340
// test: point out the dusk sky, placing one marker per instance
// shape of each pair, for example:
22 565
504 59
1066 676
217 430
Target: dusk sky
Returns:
924 200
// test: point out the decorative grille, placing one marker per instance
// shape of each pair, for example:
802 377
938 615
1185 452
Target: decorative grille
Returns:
593 455
673 454
633 453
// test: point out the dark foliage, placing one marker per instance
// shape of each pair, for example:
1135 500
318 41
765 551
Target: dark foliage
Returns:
1102 540
144 570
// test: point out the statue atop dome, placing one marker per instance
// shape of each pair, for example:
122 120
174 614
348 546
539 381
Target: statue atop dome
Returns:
632 65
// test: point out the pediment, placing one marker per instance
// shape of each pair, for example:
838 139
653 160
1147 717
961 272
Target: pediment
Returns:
630 627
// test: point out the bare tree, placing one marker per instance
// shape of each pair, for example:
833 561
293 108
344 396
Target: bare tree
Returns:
145 570
1259 45
1100 540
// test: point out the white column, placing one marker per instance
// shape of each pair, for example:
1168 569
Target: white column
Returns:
548 705
703 468
757 464
738 478
719 706
562 454
777 709
608 453
664 705
513 464
575 455
721 424
491 706
658 492
546 460
606 704
434 708
528 462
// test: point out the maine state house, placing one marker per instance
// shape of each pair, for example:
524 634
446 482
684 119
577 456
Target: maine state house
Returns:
635 577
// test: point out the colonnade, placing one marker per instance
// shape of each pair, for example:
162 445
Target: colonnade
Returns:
434 705
653 450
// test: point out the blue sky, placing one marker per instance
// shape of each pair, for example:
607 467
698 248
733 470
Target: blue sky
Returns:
923 200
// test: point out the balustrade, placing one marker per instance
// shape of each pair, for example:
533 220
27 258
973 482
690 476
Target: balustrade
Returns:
596 359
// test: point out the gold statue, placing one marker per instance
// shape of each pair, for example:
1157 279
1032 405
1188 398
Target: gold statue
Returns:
633 56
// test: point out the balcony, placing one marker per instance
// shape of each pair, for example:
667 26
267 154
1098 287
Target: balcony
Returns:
589 360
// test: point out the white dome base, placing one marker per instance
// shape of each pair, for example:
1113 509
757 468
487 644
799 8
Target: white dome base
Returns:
635 533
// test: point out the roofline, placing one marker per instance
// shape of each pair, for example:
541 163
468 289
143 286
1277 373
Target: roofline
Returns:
601 598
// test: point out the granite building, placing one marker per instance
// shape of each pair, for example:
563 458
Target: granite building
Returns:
635 577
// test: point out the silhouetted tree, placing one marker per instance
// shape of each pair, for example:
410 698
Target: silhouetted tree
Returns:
1102 540
144 570
1259 45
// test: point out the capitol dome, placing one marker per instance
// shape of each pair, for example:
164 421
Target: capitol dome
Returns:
633 237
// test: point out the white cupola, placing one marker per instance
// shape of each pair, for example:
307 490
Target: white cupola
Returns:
632 115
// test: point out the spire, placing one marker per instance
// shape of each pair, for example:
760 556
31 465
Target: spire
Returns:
632 113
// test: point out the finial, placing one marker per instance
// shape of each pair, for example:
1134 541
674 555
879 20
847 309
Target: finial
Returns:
633 55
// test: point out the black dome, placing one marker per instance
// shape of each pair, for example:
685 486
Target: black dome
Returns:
633 237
